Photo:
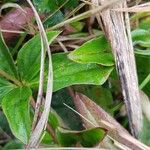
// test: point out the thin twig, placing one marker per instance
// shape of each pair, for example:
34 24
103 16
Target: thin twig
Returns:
49 128
41 85
42 123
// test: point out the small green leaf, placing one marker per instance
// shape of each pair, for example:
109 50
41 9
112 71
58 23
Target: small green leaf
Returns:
87 138
67 72
5 87
6 61
16 108
141 37
29 57
94 51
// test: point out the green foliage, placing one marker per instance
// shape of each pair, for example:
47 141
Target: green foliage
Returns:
29 57
5 87
143 52
70 119
141 37
67 72
94 51
102 96
87 138
6 62
144 135
53 5
15 99
15 105
54 19
13 144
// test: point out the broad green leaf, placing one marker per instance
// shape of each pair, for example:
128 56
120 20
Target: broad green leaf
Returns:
29 57
87 138
67 72
16 108
141 37
5 87
6 61
94 51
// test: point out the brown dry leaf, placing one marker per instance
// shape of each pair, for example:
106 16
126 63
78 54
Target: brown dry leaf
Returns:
15 20
100 118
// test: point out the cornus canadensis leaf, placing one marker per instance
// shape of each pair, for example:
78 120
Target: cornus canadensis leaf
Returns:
15 105
6 62
29 57
87 138
94 51
67 72
5 87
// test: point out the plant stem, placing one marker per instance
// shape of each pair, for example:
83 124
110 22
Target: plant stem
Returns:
9 77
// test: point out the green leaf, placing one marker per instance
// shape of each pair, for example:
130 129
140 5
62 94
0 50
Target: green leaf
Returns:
53 5
141 37
54 19
145 23
143 52
5 87
29 57
94 51
144 136
143 70
70 3
87 138
70 119
67 72
6 61
13 144
16 108
46 5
